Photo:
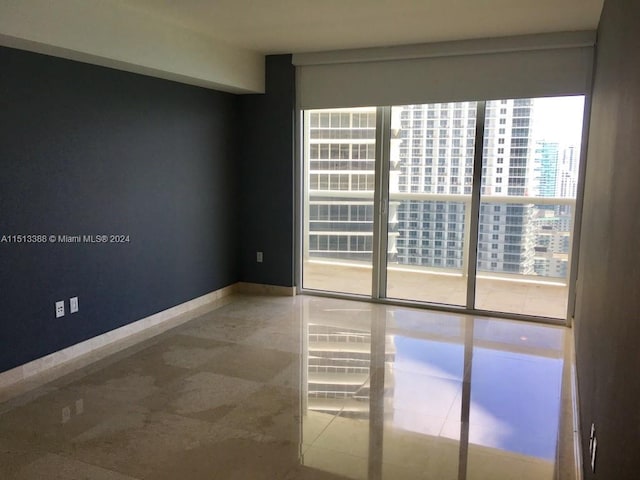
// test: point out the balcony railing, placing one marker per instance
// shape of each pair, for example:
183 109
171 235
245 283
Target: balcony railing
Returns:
497 292
396 197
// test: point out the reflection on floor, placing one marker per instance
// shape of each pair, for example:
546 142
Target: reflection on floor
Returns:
492 293
303 388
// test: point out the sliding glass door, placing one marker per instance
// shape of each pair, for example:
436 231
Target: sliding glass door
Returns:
430 183
339 166
472 203
529 184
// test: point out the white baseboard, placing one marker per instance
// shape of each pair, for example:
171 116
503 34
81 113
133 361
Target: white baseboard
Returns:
264 289
575 398
45 369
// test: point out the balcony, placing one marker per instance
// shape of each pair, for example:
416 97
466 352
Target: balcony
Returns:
518 270
494 291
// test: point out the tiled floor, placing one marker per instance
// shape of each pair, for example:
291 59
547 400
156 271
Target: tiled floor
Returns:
303 388
512 294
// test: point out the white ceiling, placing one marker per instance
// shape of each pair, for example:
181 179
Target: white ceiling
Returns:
221 44
292 26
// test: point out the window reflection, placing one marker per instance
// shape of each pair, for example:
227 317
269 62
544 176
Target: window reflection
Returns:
397 393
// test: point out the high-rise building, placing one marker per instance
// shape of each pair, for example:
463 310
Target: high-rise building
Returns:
557 176
431 156
552 242
546 168
341 152
506 238
567 183
435 159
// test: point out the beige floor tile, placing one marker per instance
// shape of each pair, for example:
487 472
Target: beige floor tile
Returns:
51 422
259 308
284 338
233 458
271 411
56 467
249 362
285 388
223 328
15 456
203 395
136 442
335 462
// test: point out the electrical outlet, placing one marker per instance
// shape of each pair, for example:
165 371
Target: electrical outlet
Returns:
79 406
66 414
60 309
73 304
259 257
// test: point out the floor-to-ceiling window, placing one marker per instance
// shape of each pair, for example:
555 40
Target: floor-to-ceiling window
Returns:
445 174
340 156
430 184
476 202
529 184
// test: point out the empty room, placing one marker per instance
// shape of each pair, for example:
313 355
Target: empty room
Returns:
319 240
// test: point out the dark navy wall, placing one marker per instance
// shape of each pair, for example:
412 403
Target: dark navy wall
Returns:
267 177
90 150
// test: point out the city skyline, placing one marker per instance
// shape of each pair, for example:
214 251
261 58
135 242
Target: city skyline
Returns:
525 155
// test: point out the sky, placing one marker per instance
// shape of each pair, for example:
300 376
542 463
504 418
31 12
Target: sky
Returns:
558 119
